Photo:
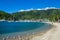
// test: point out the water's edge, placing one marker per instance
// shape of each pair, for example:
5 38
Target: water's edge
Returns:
27 33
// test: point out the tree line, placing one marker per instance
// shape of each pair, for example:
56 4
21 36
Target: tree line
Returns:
50 14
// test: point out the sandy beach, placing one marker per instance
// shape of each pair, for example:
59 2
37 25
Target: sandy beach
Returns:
53 34
30 36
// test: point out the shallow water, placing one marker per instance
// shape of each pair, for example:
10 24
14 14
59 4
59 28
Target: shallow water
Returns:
10 27
14 29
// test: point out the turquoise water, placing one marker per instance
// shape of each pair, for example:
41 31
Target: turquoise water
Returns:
11 27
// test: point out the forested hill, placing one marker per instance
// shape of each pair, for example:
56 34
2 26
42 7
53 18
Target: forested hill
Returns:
51 14
5 15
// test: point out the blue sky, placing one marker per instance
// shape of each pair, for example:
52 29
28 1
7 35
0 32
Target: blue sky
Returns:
15 5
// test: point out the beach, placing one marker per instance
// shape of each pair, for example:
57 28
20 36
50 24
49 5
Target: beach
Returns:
53 34
29 35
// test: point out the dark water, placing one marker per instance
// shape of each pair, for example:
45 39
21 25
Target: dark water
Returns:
10 27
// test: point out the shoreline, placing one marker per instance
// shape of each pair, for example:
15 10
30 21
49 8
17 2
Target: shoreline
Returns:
53 34
32 35
38 20
26 37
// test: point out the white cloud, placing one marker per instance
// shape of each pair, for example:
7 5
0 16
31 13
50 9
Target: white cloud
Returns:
38 9
50 8
21 10
29 9
26 10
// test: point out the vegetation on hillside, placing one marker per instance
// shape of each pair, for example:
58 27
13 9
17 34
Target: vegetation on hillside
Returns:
50 14
4 15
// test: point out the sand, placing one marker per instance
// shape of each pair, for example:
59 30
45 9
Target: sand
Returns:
53 34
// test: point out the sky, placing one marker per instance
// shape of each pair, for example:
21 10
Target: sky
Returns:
16 5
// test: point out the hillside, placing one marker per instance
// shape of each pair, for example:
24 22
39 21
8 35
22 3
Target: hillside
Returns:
5 15
50 14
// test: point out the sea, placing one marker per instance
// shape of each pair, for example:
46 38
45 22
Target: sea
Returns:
22 28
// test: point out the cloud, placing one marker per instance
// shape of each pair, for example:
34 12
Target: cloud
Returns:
46 8
50 8
38 9
21 10
26 10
